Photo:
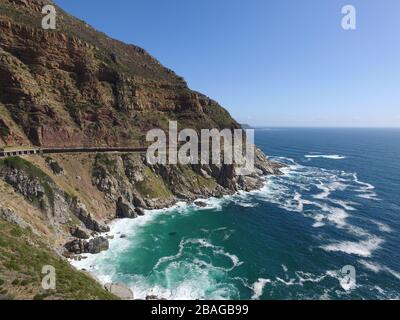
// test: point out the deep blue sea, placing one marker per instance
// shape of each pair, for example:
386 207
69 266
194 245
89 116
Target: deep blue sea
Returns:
337 204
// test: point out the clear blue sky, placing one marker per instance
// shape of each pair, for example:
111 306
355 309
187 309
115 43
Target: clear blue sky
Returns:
270 62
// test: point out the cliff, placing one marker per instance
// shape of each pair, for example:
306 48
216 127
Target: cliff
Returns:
75 86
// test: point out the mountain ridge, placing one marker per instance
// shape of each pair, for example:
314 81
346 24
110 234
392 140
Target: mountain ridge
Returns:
82 88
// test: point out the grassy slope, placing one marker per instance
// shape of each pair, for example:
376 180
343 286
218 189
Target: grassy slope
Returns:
22 257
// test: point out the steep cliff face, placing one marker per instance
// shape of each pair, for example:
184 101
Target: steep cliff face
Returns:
74 86
77 87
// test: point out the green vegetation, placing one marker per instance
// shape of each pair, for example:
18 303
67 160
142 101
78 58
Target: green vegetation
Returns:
54 166
33 172
10 11
153 186
22 257
4 130
104 162
196 179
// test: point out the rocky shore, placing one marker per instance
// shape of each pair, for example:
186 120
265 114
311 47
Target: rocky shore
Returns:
76 87
127 210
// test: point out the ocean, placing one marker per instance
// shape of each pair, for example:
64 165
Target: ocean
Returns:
337 205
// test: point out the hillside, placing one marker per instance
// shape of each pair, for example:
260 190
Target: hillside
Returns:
77 87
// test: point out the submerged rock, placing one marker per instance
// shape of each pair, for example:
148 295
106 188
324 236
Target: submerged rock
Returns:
200 204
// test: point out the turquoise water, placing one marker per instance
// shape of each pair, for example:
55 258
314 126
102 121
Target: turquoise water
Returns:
337 204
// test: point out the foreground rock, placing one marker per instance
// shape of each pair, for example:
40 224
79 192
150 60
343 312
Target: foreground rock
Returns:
120 290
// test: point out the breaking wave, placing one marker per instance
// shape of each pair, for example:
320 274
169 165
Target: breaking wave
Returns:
325 156
201 269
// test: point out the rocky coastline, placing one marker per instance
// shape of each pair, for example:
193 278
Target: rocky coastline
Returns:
77 87
84 244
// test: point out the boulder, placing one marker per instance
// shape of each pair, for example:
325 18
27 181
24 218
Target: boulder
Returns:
97 245
75 246
120 290
200 204
93 246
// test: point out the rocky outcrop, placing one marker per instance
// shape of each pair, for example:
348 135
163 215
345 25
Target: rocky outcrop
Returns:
10 216
40 191
93 246
24 184
125 210
132 184
79 233
55 167
80 211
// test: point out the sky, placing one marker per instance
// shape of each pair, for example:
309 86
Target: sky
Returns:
270 62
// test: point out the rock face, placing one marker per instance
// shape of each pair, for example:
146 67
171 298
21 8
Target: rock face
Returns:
125 210
133 185
79 233
25 185
79 209
83 88
120 290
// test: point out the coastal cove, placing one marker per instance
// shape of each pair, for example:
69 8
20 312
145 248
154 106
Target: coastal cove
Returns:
287 240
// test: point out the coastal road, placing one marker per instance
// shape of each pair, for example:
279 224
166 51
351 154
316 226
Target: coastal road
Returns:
33 151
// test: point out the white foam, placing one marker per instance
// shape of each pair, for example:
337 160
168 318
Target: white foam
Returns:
382 227
363 248
371 266
325 156
366 190
301 278
376 267
258 288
